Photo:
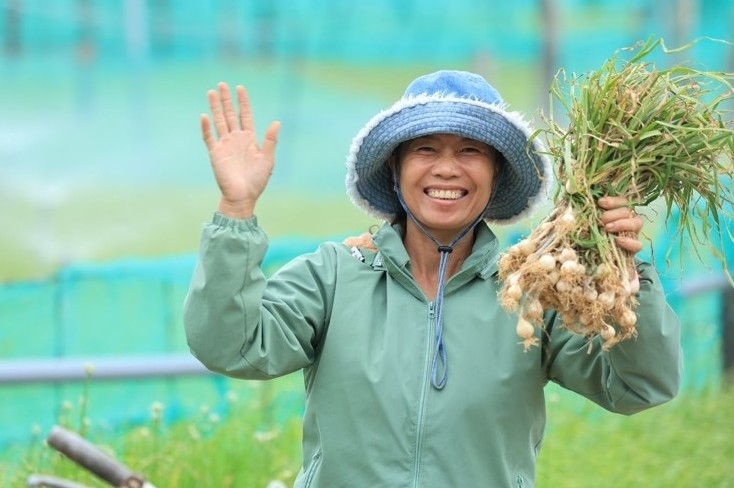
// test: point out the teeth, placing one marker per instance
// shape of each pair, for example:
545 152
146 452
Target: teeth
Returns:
445 194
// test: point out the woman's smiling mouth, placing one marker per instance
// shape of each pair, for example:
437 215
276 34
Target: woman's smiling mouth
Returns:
445 194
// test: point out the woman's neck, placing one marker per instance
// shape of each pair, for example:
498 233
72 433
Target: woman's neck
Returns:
425 258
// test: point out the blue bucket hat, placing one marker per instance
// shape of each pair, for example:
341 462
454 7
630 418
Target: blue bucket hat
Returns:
451 102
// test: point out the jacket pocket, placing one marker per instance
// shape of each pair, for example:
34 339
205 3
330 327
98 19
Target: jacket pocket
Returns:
308 475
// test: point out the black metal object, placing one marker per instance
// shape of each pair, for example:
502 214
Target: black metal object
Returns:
727 333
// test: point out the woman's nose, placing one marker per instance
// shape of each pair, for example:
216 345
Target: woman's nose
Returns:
446 165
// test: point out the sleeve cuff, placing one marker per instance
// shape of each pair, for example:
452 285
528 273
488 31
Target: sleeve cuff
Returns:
236 224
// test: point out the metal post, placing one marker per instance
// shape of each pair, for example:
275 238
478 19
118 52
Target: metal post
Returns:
727 333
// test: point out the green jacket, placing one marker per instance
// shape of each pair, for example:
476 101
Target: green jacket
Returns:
362 332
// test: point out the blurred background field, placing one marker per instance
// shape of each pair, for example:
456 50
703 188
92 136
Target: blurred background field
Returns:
256 442
99 145
104 181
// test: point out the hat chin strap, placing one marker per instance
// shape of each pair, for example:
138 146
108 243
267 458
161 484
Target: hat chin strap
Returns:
438 381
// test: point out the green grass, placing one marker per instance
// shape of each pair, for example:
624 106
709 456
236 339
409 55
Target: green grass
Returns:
250 441
685 443
387 83
106 224
122 222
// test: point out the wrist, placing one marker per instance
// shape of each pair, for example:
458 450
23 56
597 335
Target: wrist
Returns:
236 210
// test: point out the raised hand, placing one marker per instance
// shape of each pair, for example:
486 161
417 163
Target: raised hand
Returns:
241 166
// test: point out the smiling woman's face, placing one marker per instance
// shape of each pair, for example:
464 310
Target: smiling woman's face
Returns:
446 181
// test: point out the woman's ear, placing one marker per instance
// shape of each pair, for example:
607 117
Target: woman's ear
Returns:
394 158
392 163
498 173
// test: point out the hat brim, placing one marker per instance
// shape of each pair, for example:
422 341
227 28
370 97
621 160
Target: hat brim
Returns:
526 170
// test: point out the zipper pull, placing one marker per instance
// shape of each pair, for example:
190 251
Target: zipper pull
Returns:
431 311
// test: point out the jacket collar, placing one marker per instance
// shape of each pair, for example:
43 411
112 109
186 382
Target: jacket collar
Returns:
482 261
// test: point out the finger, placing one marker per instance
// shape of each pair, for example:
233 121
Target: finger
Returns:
626 223
230 116
614 214
357 241
246 121
206 132
609 202
633 226
630 244
364 240
220 125
270 140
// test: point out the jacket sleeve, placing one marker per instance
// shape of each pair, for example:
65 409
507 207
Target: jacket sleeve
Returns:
241 324
632 375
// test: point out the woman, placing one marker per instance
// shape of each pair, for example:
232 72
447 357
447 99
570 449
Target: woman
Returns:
413 372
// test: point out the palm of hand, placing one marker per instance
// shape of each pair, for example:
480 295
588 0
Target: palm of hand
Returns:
242 171
241 167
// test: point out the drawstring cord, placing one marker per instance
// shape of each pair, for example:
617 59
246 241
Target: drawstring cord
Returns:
439 354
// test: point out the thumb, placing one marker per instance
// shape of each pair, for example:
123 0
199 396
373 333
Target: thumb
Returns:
271 139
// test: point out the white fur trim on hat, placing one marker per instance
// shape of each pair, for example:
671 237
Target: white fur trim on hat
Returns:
527 171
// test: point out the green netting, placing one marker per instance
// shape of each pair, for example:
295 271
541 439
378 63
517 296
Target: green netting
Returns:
133 307
124 309
376 31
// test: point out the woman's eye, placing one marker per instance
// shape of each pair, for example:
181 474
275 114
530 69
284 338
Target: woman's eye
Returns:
424 149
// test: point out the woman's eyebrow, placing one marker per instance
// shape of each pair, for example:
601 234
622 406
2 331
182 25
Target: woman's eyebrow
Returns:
421 138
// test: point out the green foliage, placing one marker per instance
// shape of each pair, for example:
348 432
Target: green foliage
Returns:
649 135
250 445
646 133
685 443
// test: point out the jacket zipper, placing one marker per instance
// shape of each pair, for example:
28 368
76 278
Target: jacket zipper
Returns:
424 390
